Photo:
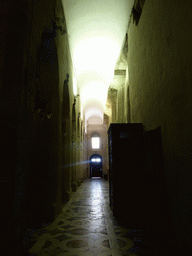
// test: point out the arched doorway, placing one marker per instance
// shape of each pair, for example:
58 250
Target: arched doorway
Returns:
96 166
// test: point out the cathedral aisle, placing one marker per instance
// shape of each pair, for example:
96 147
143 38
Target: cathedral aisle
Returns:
87 227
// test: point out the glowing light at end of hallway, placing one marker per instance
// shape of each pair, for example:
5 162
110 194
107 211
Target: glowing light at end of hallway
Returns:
96 160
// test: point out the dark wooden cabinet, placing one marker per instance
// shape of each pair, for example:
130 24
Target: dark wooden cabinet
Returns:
126 172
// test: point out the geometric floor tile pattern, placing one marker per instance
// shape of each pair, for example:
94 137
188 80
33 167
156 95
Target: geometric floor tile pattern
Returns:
86 227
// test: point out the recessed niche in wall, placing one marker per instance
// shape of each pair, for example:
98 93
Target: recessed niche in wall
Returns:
137 10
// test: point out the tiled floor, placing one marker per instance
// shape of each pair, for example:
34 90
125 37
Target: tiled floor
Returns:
86 227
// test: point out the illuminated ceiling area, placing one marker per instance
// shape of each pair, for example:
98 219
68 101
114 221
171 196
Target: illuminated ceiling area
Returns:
96 30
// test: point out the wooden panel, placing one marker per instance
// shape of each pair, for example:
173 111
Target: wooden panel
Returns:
126 172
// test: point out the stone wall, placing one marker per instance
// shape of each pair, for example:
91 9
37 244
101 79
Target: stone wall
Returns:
157 93
160 91
35 57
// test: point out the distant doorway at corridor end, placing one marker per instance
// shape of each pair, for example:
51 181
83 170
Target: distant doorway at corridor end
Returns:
96 166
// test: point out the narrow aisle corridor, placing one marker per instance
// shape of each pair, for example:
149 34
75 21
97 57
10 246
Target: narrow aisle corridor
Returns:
86 227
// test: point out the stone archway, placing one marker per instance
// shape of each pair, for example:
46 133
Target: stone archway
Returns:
96 166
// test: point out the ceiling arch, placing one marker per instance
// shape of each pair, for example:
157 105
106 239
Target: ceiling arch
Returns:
96 31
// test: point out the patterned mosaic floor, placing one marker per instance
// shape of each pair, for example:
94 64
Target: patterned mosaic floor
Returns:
86 227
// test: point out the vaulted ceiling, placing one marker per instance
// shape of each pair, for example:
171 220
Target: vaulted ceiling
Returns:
96 30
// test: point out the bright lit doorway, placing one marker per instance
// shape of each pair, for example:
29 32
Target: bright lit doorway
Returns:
96 166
